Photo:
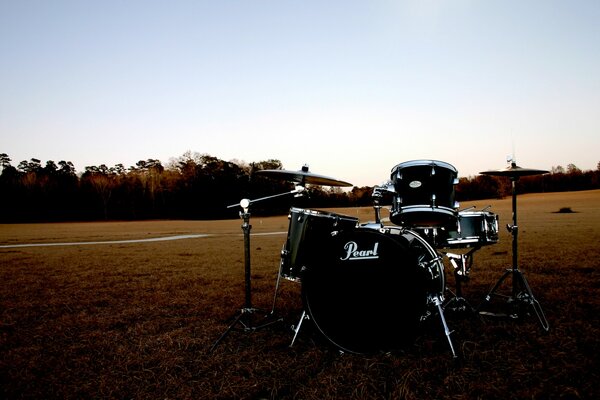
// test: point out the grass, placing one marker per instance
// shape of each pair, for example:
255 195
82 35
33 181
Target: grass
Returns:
136 320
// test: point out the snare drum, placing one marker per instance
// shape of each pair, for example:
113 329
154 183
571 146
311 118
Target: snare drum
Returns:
474 229
306 232
424 193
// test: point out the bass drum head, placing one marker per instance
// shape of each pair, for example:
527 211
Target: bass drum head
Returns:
367 292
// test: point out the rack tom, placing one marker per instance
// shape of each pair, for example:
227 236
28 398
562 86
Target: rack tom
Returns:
424 193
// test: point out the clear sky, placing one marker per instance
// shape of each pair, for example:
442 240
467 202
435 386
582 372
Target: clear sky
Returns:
350 87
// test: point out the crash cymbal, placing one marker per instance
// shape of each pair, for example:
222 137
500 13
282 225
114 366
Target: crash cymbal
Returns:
303 177
514 171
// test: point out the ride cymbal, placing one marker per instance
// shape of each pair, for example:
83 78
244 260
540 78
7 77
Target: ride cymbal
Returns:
303 177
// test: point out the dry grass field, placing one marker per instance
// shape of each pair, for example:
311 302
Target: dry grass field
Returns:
136 319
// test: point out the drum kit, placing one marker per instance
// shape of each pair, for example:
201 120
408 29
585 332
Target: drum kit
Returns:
369 287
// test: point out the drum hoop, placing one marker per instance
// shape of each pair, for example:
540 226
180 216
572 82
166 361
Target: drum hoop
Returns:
424 163
423 207
322 214
475 214
468 239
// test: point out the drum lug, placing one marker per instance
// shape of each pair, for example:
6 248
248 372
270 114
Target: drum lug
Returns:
435 299
427 314
429 267
334 233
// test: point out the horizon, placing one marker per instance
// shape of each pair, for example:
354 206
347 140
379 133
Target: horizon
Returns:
171 163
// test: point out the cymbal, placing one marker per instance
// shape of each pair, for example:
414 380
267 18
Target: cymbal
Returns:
303 177
514 171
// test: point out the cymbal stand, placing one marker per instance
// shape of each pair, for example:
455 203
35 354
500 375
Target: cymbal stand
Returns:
521 294
243 316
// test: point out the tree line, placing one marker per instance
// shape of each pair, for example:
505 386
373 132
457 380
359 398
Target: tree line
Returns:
200 186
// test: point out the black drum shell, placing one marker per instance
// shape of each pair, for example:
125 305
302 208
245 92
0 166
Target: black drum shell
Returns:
307 228
374 301
473 229
424 193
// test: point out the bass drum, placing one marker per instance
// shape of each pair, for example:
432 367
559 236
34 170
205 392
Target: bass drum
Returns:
370 288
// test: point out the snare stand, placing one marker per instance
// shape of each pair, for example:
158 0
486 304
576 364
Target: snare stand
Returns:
521 294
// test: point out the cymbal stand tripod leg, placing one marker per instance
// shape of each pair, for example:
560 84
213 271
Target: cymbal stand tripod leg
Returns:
526 296
521 294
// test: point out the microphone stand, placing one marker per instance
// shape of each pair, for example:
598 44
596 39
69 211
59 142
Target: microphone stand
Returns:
244 315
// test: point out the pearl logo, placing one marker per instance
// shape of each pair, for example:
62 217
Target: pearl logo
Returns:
415 184
353 253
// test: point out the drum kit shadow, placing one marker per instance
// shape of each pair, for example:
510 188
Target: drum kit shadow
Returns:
370 287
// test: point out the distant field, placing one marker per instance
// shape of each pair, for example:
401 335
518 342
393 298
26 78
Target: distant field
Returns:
135 319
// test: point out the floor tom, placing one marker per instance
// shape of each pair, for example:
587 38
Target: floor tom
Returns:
306 231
